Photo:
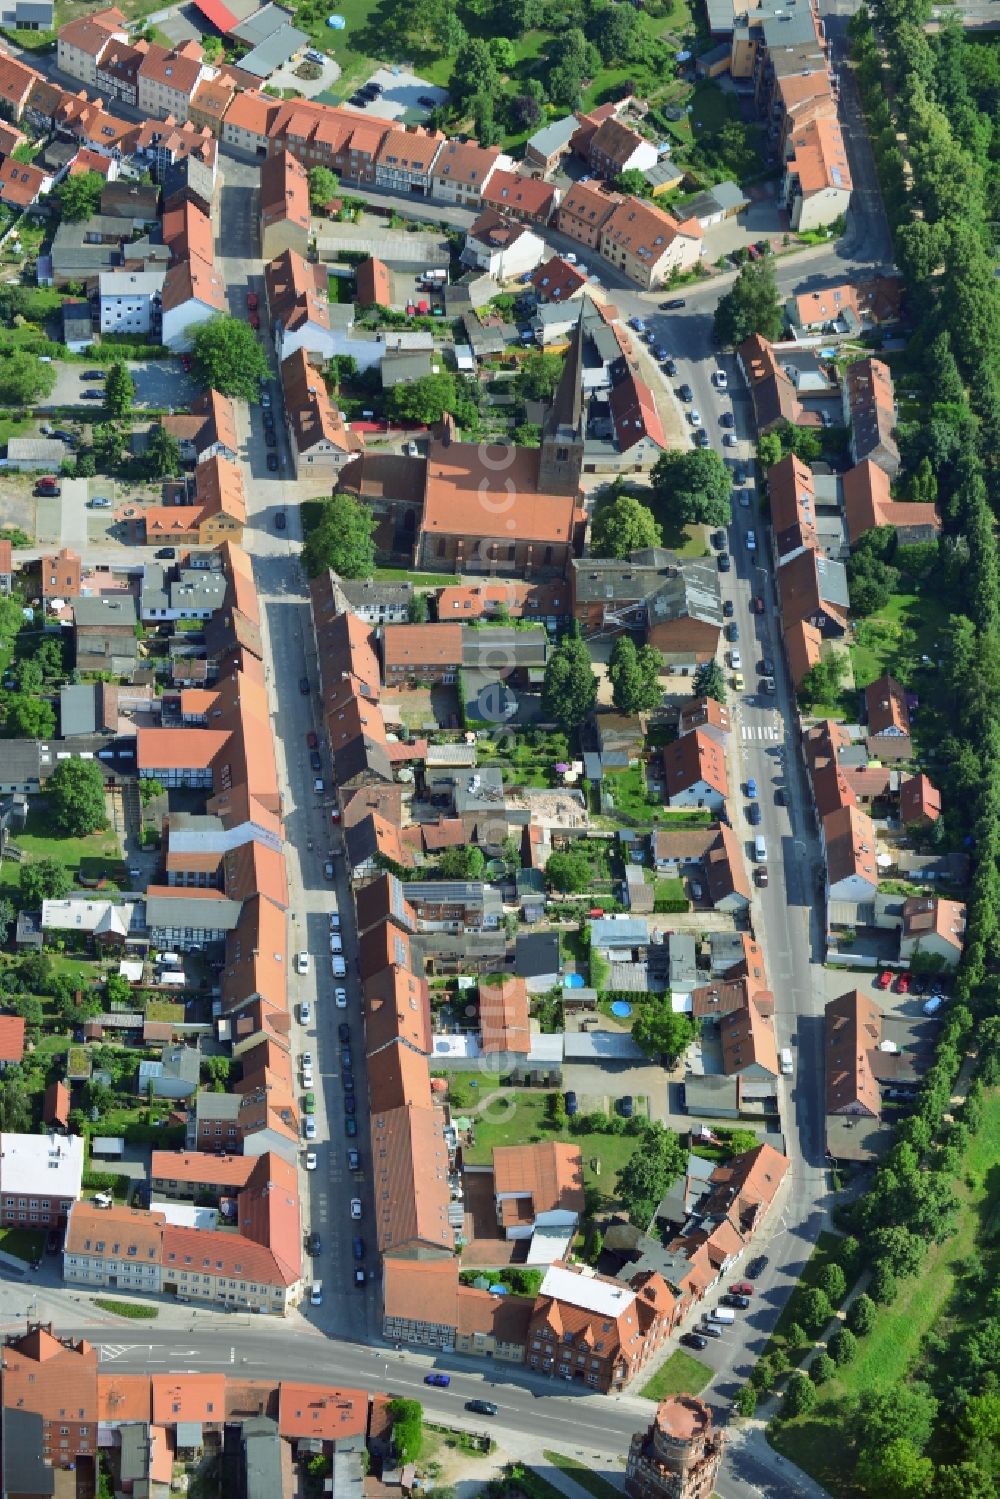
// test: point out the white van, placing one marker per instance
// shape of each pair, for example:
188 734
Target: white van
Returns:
786 1061
723 1314
760 849
339 968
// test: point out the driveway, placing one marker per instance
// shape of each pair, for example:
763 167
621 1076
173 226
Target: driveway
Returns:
390 245
159 384
288 77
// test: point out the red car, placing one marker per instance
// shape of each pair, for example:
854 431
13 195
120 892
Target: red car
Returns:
758 604
884 979
742 1288
252 301
903 983
253 320
334 814
312 740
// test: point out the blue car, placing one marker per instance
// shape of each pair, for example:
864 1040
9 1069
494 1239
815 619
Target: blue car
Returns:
637 324
752 789
440 1381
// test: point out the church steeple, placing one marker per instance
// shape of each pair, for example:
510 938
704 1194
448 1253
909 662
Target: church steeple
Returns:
560 461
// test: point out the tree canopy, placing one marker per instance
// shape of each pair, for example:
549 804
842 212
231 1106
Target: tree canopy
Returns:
570 687
76 797
79 196
569 871
343 540
657 1160
162 458
31 717
661 1031
426 400
24 379
229 357
751 305
694 485
710 681
119 392
634 675
323 185
538 376
43 880
621 526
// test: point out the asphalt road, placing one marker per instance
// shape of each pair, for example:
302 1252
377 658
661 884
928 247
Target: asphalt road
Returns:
311 837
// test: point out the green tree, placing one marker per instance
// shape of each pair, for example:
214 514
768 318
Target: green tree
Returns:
621 526
843 1346
149 789
24 379
79 196
752 305
108 441
117 990
899 1249
834 1282
11 618
31 717
76 797
896 1471
813 1309
694 485
571 61
323 185
745 1400
503 52
342 541
569 871
634 676
15 1110
229 357
979 1431
407 1417
710 681
822 1369
36 972
538 376
217 1071
50 658
739 1141
879 1417
119 392
617 34
963 1481
7 917
661 1031
425 400
475 72
162 458
797 1336
821 684
800 1397
570 687
861 1315
634 183
656 1162
416 609
29 675
44 880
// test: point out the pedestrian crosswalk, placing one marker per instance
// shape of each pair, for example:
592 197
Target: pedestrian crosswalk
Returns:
767 732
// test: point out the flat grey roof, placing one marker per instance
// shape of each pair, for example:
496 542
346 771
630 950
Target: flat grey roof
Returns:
273 52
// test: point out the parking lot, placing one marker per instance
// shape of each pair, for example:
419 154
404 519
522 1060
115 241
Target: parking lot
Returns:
160 384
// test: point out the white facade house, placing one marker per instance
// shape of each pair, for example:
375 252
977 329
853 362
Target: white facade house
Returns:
193 293
501 247
130 300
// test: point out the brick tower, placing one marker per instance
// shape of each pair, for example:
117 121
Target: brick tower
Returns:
678 1456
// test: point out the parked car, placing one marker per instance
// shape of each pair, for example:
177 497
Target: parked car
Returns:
302 962
757 1266
637 324
280 521
732 630
482 1407
439 1381
350 1127
670 367
344 1032
730 440
304 686
694 417
354 1159
309 1128
314 1244
758 603
739 1302
315 760
93 395
685 392
310 1160
305 1012
626 1106
572 1106
340 998
725 562
766 666
166 554
727 609
745 499
673 304
356 1209
312 739
272 463
328 870
727 419
903 983
358 1246
753 814
708 1330
742 1288
751 541
694 1340
701 438
309 1103
94 375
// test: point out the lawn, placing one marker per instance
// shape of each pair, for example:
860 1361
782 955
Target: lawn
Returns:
521 1118
823 1255
628 791
670 890
583 1475
892 1350
897 637
95 856
23 1243
680 1375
